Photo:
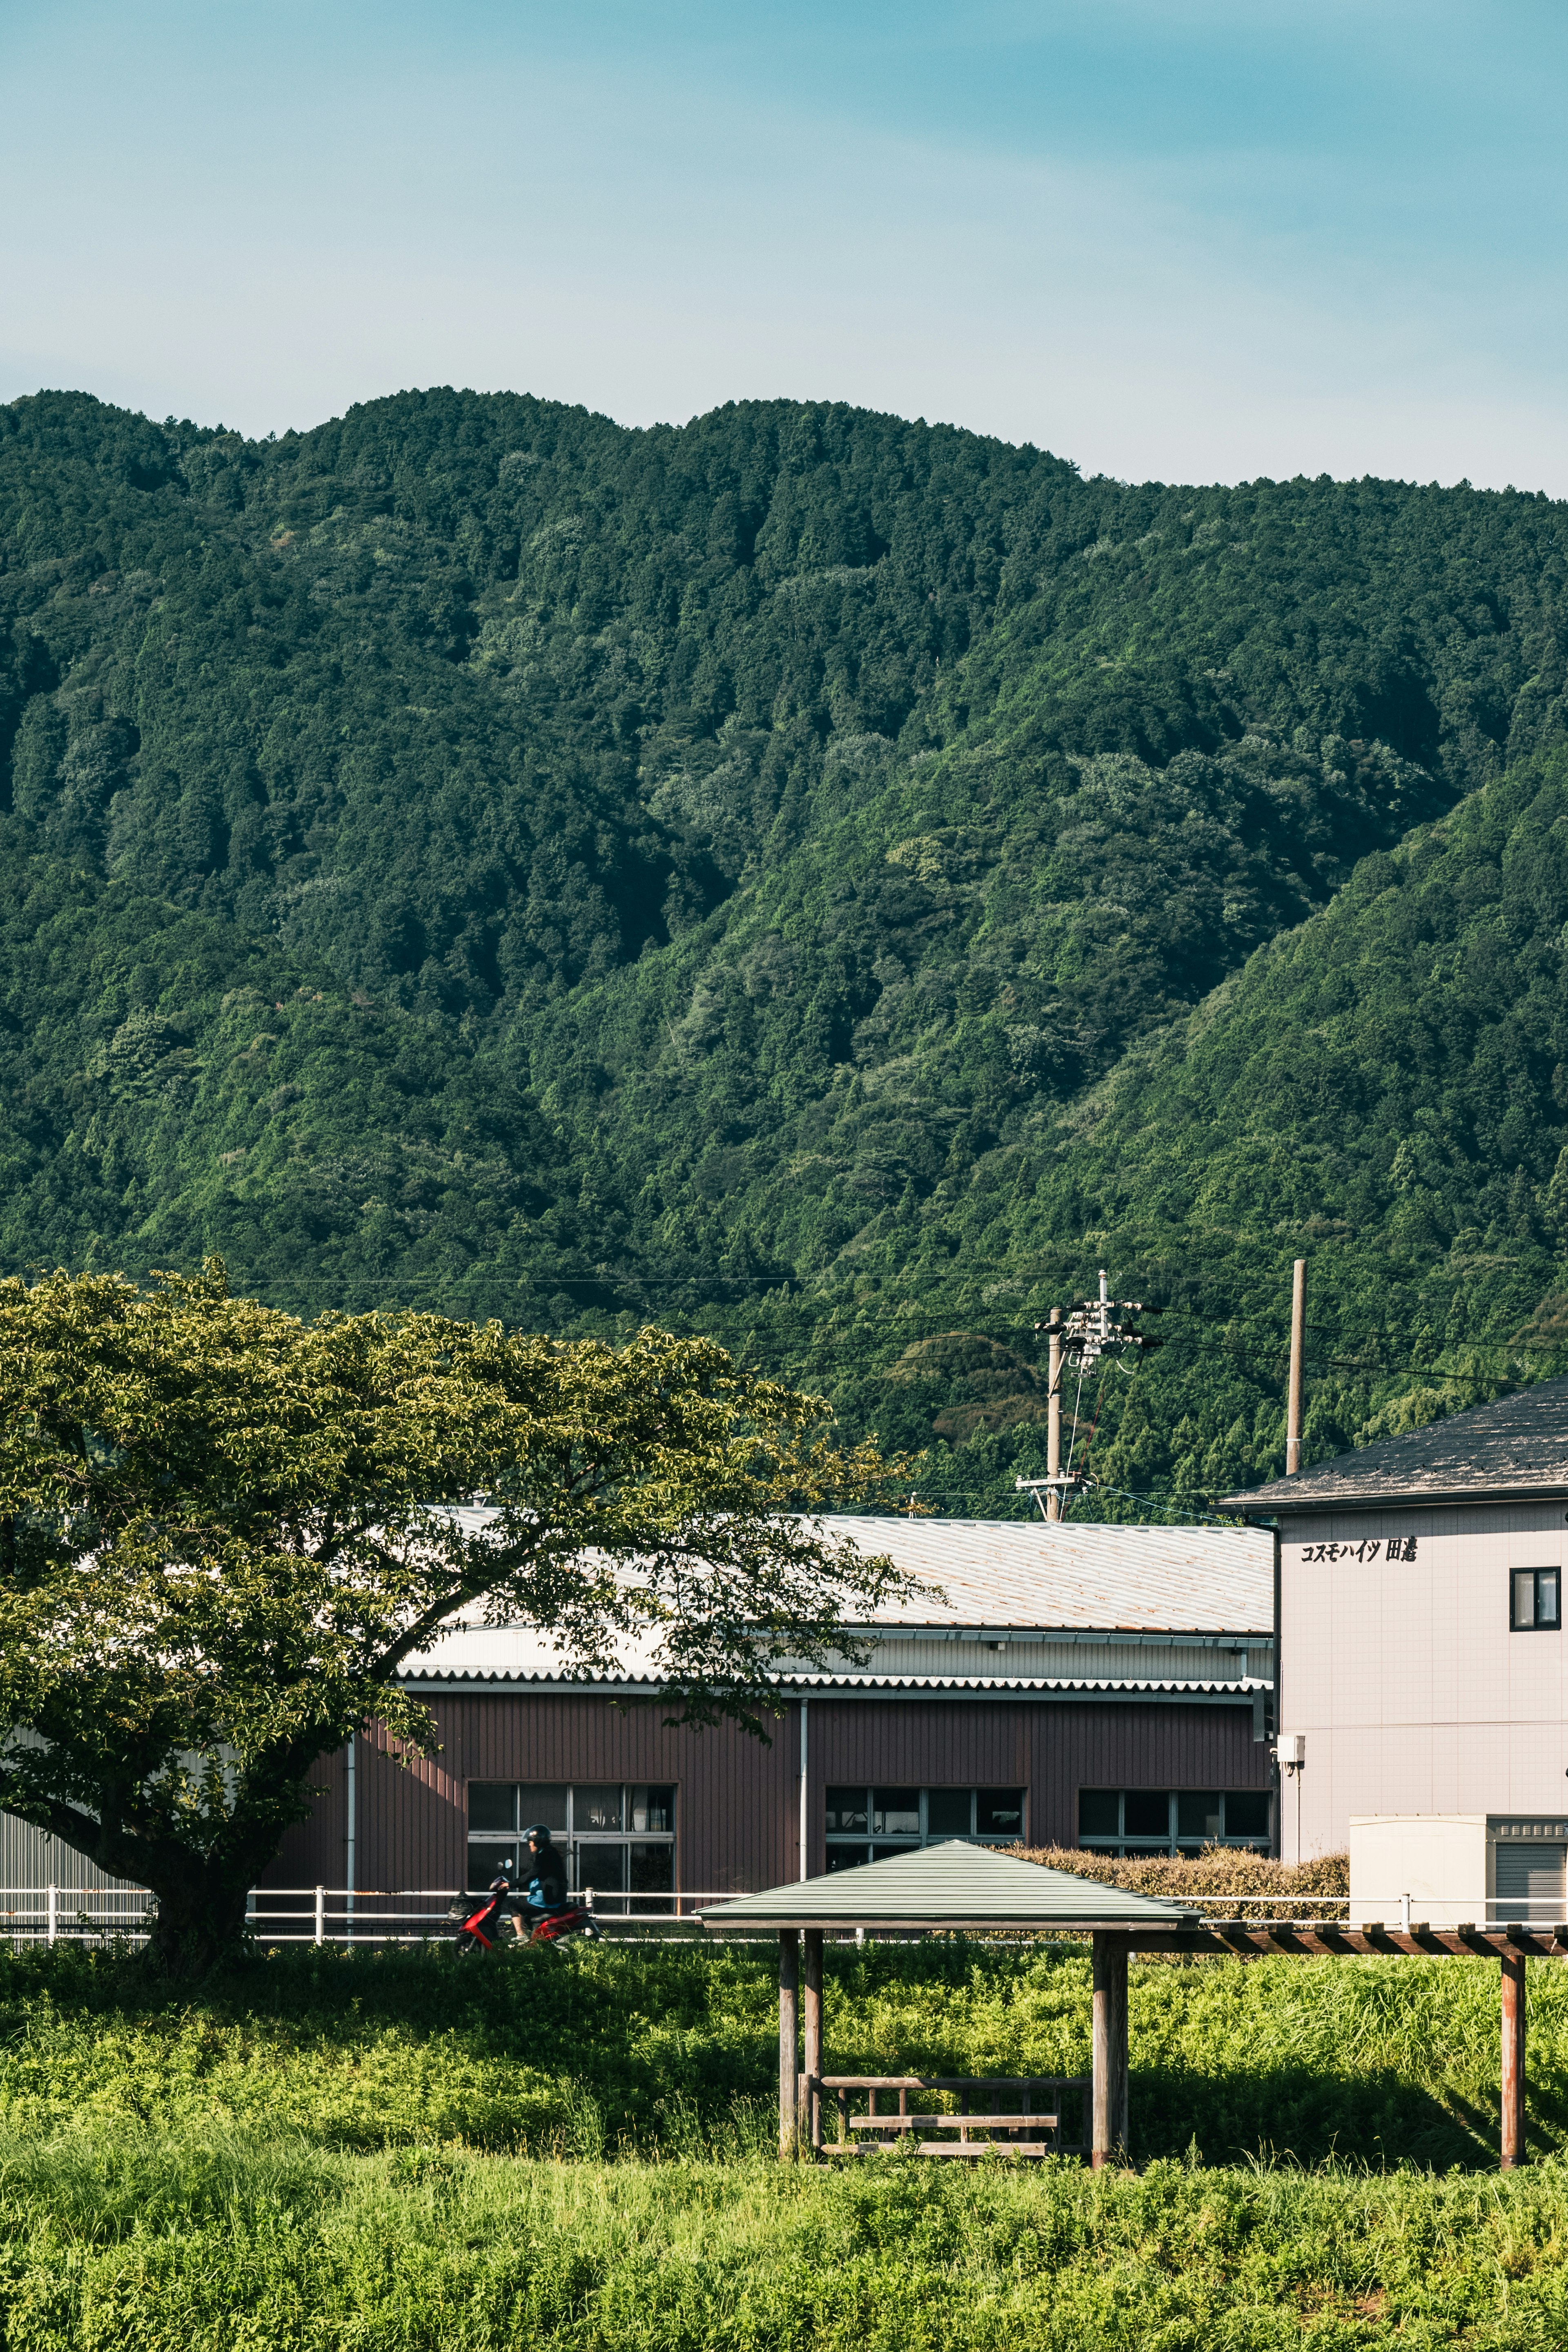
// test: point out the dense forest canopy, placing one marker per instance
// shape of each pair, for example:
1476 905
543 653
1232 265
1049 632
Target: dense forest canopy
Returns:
821 879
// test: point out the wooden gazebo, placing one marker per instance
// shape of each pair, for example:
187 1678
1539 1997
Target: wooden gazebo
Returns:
954 1886
957 1886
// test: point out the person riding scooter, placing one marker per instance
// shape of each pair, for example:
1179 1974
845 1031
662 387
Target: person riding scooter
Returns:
546 1881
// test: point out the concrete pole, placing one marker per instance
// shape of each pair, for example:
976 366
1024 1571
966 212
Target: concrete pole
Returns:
1110 2065
789 2036
1513 2059
1054 1414
812 2056
1298 1342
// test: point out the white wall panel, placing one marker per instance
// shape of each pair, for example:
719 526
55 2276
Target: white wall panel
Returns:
1413 1693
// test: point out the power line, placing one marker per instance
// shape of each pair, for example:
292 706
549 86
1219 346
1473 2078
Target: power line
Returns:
774 1295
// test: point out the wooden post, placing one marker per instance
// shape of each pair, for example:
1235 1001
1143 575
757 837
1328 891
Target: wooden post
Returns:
812 2037
1513 2059
1297 1343
789 2055
1054 1414
1110 2093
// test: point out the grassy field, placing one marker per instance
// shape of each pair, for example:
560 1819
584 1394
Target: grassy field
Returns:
130 2239
663 2050
324 2150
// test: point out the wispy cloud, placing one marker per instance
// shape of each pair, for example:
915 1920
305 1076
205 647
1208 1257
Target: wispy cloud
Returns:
1194 242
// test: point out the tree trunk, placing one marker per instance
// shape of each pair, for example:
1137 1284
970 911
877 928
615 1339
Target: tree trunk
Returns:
200 1918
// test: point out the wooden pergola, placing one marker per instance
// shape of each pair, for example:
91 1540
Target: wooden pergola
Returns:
957 1887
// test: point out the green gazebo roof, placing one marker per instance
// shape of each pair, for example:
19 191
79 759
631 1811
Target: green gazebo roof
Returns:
954 1884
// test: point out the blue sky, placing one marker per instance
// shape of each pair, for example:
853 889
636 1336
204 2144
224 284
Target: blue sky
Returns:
1196 241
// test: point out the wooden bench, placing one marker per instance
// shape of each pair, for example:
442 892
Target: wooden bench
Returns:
1030 2125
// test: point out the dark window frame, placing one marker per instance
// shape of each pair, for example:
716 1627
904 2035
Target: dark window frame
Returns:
1535 1622
580 1845
1124 1843
883 1841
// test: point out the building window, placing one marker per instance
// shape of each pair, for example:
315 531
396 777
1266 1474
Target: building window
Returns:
1171 1821
618 1837
868 1824
1537 1606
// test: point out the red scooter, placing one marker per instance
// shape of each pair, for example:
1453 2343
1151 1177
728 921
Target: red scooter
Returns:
480 1930
571 1919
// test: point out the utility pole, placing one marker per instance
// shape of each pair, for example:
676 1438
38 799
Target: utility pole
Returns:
1290 1748
1298 1340
1092 1328
1053 1415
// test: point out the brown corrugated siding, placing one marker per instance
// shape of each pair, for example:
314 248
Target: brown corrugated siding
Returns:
1093 1745
738 1807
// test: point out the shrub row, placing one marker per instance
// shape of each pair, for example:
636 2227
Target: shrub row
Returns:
1215 1876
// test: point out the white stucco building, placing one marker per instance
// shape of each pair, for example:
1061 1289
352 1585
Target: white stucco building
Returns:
1420 1611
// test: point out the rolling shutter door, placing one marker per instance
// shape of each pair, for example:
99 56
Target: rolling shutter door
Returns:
1530 1882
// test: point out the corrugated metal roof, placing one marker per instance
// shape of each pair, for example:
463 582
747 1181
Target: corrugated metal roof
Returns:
430 1668
1001 1576
1009 1574
1518 1446
948 1885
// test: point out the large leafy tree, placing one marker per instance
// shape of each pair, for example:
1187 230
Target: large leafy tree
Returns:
225 1531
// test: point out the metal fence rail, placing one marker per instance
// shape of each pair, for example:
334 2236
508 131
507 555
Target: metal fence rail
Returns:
314 1915
367 1915
57 1914
374 1915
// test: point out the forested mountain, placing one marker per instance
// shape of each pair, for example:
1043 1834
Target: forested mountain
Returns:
829 879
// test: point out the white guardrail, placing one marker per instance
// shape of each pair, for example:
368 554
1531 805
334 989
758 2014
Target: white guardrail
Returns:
1402 1911
341 1914
310 1915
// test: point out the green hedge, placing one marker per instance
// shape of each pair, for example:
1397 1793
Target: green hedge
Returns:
1213 1877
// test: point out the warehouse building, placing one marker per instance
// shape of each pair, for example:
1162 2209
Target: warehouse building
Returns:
1108 1686
1103 1685
1421 1637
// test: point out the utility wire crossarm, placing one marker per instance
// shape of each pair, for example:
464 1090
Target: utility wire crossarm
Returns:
1096 1327
1093 1328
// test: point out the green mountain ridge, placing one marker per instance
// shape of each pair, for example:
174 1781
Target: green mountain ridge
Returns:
828 880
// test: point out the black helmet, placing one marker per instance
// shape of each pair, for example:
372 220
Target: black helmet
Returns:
538 1834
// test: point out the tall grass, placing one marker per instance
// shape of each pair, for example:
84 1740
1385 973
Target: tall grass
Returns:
358 2152
639 2050
194 2241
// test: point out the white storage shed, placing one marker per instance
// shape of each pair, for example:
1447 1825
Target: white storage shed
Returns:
1458 1870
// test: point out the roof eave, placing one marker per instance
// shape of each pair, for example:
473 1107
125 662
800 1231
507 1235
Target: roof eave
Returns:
990 1923
1262 1503
1243 1688
1085 1629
